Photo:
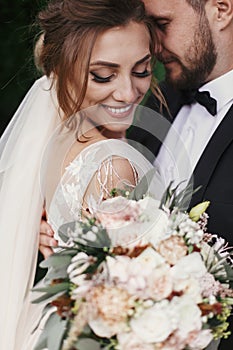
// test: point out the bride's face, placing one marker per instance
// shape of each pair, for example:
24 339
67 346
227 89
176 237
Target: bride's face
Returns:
119 76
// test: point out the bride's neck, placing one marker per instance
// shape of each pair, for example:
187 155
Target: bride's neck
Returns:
90 130
109 134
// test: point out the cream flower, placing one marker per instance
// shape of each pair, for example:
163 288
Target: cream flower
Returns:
188 315
190 265
186 274
130 341
172 249
201 340
159 284
108 310
154 324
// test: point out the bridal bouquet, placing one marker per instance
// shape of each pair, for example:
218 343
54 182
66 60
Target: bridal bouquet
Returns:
137 275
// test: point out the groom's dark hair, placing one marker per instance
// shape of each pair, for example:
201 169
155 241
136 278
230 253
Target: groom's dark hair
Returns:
197 5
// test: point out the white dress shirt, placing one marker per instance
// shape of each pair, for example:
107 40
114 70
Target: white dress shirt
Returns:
191 131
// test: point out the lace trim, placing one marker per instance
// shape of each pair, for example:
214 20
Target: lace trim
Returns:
106 182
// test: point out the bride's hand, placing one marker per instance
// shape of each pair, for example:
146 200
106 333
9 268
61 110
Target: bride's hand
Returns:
46 238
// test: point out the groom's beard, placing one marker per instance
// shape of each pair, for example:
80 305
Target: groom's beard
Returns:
199 60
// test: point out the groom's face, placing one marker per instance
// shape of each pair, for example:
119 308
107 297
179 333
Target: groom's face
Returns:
186 47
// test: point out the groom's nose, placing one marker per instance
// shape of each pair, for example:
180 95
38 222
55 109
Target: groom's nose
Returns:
158 45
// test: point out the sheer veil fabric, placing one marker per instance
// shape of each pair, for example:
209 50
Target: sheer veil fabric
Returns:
21 201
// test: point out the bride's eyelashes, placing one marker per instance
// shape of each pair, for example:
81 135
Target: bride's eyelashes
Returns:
144 74
99 79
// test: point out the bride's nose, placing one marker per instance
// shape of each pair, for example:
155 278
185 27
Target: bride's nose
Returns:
125 90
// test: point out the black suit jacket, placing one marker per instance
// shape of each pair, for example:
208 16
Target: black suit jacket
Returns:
213 172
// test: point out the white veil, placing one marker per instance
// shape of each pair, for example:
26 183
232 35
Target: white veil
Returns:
21 201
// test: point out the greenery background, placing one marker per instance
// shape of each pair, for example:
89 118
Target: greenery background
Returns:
17 70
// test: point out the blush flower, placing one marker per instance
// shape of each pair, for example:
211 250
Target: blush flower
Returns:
159 284
172 249
108 310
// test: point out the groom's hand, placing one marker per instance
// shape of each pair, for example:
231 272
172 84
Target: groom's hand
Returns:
46 239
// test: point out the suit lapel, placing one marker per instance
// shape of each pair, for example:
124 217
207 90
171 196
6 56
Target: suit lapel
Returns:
220 140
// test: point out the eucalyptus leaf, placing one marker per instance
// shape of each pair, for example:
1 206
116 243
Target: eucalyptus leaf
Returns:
51 291
52 336
65 228
46 297
56 274
56 328
41 342
142 187
87 344
45 310
56 260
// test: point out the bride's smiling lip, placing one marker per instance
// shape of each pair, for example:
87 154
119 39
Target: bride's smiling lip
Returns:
121 111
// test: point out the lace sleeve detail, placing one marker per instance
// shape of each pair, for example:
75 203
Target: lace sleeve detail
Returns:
95 172
109 176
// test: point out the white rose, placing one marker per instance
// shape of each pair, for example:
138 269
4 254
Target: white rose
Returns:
156 220
150 258
188 315
102 328
153 325
130 341
117 268
190 265
202 340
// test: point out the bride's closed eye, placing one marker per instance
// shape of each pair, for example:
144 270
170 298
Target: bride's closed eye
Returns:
142 70
144 74
100 79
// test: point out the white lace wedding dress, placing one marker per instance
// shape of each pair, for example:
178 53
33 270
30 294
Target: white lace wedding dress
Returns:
66 203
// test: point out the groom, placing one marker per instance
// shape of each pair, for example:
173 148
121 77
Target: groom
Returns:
196 48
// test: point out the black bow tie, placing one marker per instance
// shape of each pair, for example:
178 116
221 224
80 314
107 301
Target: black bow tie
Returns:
203 98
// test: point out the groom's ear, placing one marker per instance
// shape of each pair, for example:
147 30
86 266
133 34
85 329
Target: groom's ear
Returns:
223 13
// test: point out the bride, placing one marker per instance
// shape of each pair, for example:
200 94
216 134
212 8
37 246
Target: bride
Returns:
67 139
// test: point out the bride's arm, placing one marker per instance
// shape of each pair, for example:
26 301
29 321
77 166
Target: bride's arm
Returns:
114 173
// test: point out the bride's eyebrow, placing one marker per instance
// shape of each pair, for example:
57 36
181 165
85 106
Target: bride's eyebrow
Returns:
115 65
105 63
148 56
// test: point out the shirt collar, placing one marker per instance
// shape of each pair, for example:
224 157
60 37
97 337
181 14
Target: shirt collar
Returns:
221 89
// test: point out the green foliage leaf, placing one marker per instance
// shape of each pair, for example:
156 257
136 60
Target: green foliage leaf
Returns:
53 333
51 291
143 186
56 260
173 199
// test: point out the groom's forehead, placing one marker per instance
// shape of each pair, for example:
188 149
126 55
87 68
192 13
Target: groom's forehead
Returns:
163 8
